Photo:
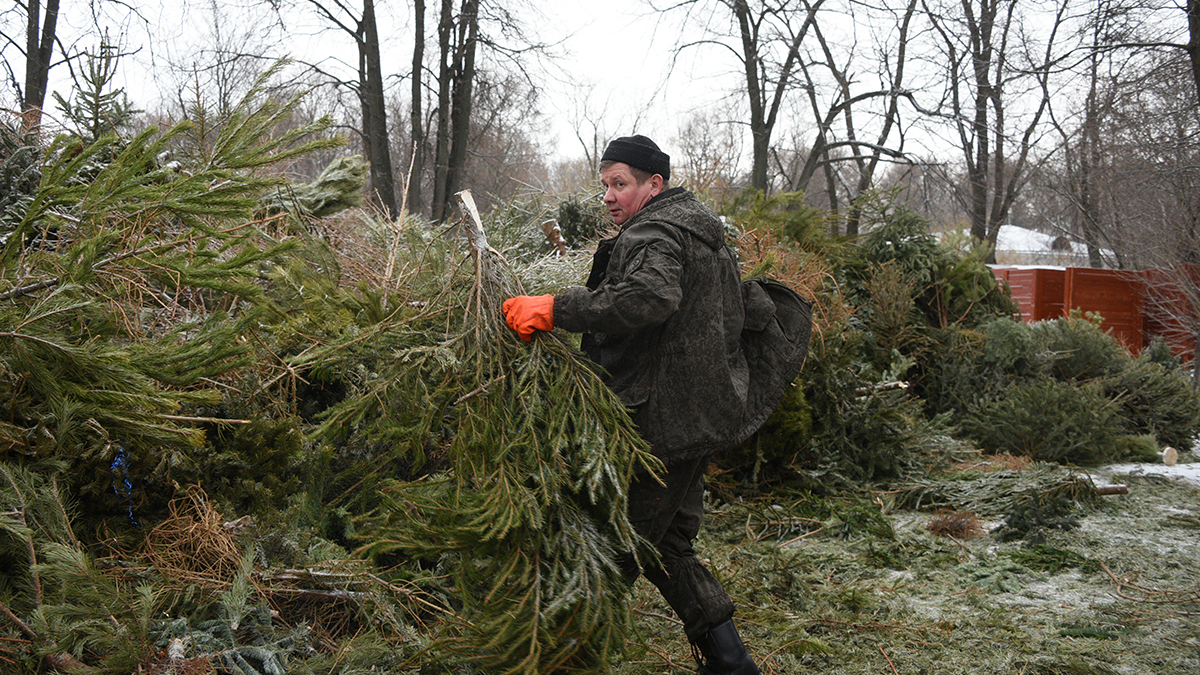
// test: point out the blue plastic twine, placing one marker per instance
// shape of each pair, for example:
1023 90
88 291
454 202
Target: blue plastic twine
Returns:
120 466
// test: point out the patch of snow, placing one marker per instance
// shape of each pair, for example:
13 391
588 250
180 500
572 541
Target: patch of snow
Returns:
1016 238
1188 473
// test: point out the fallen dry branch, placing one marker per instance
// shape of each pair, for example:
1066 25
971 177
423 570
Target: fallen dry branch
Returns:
1156 596
889 660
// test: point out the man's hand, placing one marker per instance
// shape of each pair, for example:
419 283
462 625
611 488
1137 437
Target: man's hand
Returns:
528 313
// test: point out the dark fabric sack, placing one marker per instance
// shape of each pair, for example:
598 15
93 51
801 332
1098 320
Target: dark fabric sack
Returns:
775 341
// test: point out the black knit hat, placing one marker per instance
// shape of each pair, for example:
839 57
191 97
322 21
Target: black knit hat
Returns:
640 153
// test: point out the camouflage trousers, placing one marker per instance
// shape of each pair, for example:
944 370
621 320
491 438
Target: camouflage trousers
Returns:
669 517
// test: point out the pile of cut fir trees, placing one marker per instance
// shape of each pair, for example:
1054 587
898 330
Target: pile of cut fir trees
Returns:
222 455
252 428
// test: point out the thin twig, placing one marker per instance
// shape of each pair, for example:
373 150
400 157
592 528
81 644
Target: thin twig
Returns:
666 658
32 338
415 596
33 561
214 420
399 223
481 389
1190 596
62 510
21 625
806 535
656 615
889 660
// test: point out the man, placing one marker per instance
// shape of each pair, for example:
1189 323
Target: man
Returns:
662 312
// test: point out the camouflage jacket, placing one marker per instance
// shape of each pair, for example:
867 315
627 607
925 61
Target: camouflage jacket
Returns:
662 313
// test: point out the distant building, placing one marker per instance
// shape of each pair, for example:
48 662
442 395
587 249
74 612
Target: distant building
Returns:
1020 246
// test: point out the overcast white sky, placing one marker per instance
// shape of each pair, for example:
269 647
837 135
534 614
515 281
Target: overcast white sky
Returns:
623 52
610 72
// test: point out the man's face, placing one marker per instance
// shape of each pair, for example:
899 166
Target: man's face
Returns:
623 195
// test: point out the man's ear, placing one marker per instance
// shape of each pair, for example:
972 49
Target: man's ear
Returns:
656 184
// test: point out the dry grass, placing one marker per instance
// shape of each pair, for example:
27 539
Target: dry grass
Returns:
808 275
958 525
193 546
199 559
360 256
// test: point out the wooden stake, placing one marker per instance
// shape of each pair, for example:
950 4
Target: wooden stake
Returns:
474 224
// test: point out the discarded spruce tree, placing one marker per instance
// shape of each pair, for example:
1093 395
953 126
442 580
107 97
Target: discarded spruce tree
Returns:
529 516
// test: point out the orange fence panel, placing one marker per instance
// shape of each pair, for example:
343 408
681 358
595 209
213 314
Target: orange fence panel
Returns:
1037 290
1113 294
1136 306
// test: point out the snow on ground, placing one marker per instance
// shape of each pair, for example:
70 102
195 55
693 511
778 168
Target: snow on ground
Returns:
1189 472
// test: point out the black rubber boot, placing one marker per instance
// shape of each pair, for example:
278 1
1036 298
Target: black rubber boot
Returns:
723 652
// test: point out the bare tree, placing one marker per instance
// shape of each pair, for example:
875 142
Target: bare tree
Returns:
1081 176
361 26
810 49
845 104
1129 175
765 37
1151 151
1164 32
1116 136
416 125
480 36
1154 145
593 118
31 28
998 64
458 38
1157 191
223 57
504 157
39 50
710 151
767 83
1192 8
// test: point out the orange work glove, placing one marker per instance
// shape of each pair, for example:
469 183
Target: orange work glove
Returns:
527 313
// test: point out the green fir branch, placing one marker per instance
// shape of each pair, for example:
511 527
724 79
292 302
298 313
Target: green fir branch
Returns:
530 518
247 139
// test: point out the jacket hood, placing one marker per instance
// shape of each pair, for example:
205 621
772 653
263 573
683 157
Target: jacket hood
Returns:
680 208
